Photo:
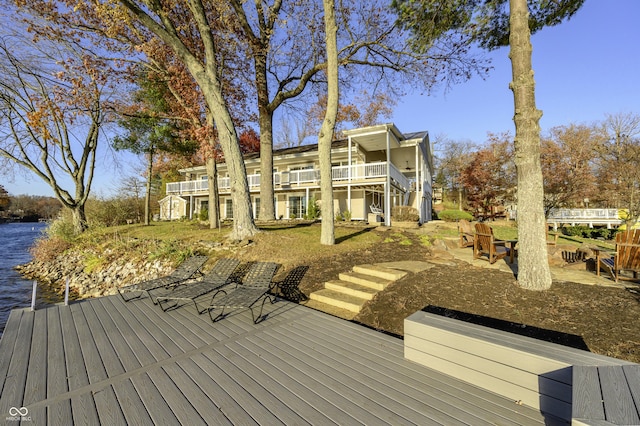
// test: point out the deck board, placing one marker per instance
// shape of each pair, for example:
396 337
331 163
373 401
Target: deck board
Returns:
13 391
107 361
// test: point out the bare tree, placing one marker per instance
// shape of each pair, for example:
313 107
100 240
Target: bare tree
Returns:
51 113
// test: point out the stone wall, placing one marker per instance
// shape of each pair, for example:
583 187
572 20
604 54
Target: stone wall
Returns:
102 281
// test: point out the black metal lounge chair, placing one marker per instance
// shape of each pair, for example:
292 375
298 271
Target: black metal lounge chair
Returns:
255 286
191 291
187 269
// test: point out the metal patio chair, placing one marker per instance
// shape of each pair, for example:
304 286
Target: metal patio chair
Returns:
255 287
187 269
189 292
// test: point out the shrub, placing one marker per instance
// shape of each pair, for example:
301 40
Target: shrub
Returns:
313 212
203 215
454 215
405 214
344 216
48 249
62 227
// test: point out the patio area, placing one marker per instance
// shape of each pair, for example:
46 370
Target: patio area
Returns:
106 361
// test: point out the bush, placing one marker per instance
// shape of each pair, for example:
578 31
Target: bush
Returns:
586 232
343 216
48 249
203 215
454 215
62 227
405 214
313 212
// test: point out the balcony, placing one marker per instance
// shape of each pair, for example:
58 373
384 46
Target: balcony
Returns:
360 173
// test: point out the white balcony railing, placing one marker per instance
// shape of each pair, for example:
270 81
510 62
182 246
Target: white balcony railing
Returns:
359 172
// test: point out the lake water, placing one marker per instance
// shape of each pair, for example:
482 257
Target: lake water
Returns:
15 291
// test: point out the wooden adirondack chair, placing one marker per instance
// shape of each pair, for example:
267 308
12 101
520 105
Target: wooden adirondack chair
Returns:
485 243
626 257
465 229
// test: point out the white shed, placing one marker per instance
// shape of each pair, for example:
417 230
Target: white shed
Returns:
172 207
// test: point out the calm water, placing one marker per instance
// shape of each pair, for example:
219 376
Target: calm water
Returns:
15 292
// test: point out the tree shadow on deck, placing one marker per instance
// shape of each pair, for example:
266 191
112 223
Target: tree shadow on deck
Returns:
560 338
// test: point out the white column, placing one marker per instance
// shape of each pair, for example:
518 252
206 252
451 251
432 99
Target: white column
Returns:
387 195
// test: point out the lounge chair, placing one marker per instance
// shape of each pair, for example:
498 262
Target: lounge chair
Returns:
485 243
255 287
187 269
289 286
191 291
465 229
626 257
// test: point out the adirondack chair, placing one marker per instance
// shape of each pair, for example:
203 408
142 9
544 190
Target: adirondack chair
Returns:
485 243
626 257
465 230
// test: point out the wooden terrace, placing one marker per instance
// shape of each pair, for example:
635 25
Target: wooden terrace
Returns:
104 361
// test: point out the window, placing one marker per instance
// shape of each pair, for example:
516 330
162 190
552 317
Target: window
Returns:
228 208
297 207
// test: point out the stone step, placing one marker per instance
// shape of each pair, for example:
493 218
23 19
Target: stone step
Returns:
329 309
366 280
339 300
380 272
352 289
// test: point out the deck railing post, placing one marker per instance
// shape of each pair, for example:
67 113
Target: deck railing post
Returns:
66 292
33 295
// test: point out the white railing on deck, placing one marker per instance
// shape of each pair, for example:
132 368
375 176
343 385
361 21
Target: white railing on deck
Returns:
297 177
585 216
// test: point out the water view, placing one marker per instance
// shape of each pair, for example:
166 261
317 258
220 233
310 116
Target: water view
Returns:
15 240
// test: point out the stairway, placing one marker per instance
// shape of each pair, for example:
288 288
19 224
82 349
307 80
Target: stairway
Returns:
353 289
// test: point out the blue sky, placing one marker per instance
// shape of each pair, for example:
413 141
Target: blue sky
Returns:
584 69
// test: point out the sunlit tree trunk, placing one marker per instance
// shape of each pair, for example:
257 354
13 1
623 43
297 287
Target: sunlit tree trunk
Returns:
327 236
267 207
533 266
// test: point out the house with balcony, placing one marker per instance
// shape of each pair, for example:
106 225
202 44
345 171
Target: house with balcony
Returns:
373 169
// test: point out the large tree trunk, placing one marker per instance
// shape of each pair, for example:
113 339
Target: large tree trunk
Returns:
533 266
267 207
327 235
79 218
243 224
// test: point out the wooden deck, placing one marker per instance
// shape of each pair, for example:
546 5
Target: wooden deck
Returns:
109 362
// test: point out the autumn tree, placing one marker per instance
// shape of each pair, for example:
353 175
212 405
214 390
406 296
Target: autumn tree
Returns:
5 200
568 168
451 158
194 33
619 163
52 108
496 23
489 176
